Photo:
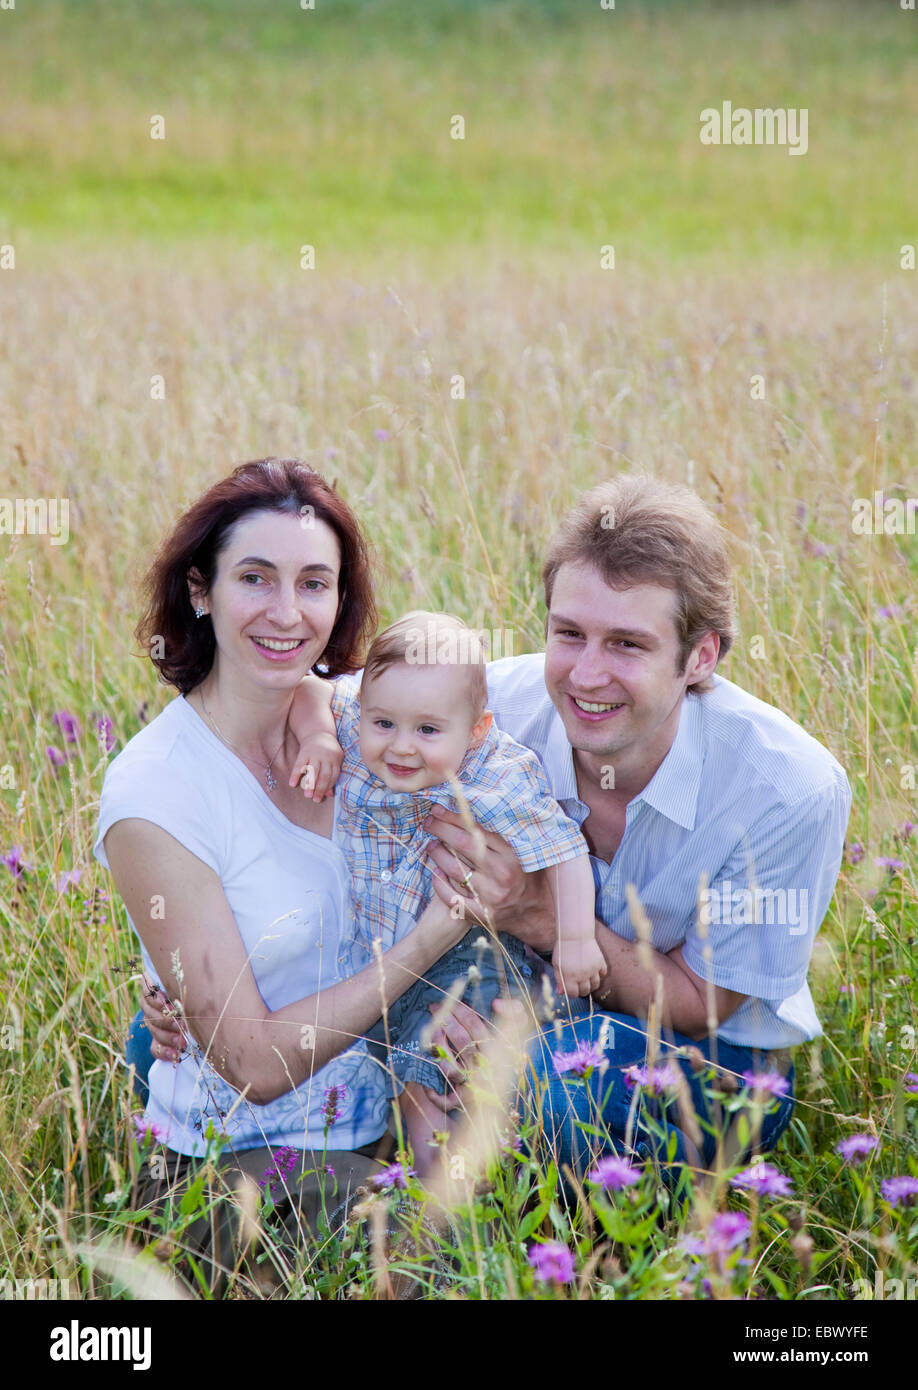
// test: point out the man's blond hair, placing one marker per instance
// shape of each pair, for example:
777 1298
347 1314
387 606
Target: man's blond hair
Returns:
636 529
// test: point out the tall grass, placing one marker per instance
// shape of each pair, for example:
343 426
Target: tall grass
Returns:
567 380
285 127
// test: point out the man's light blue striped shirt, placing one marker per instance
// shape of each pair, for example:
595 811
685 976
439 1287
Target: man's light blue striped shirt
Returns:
744 796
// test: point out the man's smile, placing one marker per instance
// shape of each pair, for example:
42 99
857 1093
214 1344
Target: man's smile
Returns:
592 709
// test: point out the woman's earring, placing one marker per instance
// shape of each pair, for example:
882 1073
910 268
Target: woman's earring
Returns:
199 612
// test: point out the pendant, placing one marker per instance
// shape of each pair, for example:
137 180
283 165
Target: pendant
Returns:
270 778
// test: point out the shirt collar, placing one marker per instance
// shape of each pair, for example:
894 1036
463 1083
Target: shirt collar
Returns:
674 787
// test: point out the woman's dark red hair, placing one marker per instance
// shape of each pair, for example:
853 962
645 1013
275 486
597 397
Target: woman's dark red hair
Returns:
184 653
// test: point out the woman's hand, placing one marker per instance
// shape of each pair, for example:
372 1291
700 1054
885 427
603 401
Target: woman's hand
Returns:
458 1038
169 1041
317 765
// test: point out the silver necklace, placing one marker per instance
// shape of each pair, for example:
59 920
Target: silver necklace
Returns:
269 775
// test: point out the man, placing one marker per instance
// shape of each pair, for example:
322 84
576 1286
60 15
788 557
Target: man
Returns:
725 816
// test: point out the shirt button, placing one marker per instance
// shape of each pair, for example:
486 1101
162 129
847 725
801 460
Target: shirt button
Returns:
385 876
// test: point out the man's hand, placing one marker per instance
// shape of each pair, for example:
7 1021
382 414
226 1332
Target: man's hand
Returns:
168 1039
485 872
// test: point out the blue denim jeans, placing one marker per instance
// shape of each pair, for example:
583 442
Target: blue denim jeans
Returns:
475 956
571 1105
138 1054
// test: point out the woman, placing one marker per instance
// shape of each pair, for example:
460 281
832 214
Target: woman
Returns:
232 879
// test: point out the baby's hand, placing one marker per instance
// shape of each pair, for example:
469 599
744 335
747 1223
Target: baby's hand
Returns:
318 763
579 966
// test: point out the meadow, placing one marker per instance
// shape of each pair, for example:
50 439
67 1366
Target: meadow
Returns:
158 328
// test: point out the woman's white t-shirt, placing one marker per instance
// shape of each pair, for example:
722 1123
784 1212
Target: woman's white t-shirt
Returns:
288 889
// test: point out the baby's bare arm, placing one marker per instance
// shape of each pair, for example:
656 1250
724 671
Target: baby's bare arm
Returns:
579 963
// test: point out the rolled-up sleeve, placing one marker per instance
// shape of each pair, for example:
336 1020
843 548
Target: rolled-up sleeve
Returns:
765 906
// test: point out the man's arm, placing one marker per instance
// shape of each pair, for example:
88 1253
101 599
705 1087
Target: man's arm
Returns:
690 1005
522 905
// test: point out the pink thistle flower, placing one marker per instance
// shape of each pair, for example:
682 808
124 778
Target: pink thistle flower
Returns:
614 1173
395 1176
15 863
886 862
900 1191
855 852
69 879
910 1083
727 1230
657 1079
763 1179
552 1262
55 757
857 1147
767 1082
145 1131
581 1061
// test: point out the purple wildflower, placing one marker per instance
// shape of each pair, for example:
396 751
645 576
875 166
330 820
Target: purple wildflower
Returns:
15 863
381 434
55 757
145 1130
105 731
656 1079
767 1082
581 1061
727 1230
396 1175
333 1097
905 829
285 1160
816 548
885 862
856 1148
891 610
855 852
910 1083
69 879
68 724
552 1261
900 1190
614 1173
763 1179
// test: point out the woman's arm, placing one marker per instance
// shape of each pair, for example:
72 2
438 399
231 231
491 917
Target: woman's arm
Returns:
200 958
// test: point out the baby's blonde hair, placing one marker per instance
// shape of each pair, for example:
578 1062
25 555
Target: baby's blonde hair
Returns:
422 638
